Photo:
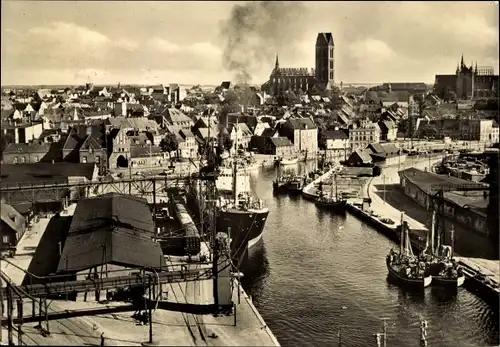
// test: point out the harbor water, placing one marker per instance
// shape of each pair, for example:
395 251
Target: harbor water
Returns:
316 274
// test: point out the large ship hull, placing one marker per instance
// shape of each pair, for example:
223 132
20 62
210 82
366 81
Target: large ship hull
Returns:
244 227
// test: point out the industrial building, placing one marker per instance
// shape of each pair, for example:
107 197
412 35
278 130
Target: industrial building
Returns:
111 229
467 207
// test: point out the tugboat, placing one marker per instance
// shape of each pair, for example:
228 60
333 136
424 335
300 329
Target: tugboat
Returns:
404 267
331 202
445 271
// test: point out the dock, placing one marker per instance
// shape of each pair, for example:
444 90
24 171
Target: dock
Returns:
347 182
82 322
482 275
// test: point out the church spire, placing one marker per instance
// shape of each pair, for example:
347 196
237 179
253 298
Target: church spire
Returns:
458 69
475 69
277 64
462 61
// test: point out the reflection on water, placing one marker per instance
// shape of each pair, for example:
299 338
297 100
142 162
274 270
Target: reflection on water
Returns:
317 272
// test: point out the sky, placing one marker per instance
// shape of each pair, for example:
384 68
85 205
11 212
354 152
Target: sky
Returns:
65 42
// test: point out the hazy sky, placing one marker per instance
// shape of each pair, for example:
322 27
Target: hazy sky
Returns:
63 42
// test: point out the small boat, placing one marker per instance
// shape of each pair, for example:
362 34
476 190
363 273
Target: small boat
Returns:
296 184
331 202
404 267
280 185
445 271
290 161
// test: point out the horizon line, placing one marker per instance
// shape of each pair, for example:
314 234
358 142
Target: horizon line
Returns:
11 85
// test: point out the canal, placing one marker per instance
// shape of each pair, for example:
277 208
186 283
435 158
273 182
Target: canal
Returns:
317 273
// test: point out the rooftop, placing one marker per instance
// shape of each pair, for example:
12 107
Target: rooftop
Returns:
430 181
44 172
111 228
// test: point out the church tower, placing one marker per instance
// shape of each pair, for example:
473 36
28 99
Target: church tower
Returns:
325 65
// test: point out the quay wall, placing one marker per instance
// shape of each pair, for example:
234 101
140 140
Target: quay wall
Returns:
487 290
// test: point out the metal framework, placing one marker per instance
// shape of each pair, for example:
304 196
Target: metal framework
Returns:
58 191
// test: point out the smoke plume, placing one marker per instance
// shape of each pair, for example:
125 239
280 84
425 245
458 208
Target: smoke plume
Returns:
256 31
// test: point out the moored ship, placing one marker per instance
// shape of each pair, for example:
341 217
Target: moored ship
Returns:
331 201
234 209
445 271
404 267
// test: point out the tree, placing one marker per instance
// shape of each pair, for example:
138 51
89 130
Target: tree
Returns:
169 144
449 95
428 131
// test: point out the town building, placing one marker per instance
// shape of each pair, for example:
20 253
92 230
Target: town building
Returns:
240 134
336 145
303 133
279 147
30 153
363 134
49 199
385 154
388 130
21 131
473 129
12 227
360 157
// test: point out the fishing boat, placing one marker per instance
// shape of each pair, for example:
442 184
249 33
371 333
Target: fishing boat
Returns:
331 201
404 267
289 161
445 270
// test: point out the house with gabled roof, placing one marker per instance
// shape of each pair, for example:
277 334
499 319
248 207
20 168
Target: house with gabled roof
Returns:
303 133
91 151
175 117
240 134
360 157
12 227
280 147
388 130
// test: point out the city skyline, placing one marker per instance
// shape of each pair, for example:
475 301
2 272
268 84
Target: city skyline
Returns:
67 42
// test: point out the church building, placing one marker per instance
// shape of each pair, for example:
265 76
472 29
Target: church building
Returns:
468 82
304 79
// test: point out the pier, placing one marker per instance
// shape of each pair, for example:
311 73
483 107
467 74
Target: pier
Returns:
181 306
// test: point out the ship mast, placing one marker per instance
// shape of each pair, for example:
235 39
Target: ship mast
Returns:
336 189
402 235
433 228
235 168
